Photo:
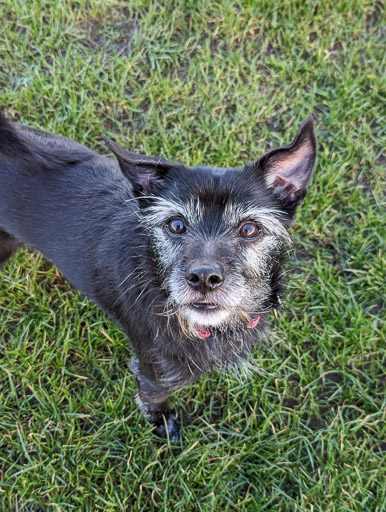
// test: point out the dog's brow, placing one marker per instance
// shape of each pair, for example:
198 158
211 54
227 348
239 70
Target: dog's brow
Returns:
163 208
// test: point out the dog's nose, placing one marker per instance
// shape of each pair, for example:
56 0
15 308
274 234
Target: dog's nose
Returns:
204 278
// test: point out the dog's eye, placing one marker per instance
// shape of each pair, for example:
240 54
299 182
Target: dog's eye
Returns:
176 226
250 230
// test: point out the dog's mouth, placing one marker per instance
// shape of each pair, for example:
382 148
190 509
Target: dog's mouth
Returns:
204 306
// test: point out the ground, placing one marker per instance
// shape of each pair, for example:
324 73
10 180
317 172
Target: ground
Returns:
213 83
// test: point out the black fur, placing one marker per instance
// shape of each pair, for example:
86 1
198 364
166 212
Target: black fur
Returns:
98 221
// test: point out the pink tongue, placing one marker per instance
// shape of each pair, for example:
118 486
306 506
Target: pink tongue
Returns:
203 332
253 323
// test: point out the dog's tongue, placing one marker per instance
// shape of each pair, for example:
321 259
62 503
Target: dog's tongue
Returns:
204 332
253 322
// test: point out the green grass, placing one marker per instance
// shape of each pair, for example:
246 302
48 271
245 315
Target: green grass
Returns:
212 83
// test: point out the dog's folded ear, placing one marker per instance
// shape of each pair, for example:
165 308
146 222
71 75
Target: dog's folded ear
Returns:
142 171
287 169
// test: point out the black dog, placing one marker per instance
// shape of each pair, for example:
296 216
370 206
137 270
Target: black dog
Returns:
186 260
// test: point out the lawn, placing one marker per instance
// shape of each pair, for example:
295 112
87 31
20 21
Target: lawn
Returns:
204 83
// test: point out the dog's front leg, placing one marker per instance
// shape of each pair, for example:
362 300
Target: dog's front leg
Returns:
153 402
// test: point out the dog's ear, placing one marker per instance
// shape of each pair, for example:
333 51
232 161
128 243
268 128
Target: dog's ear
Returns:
287 169
141 171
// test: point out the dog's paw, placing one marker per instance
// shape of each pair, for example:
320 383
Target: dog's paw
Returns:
172 424
134 366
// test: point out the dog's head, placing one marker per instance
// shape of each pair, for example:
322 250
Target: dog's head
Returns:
218 235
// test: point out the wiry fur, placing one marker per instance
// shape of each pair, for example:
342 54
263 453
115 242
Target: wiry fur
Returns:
105 226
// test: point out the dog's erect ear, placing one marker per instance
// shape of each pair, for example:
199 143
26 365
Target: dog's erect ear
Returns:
288 169
141 171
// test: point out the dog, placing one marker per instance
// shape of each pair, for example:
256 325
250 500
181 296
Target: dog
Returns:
188 261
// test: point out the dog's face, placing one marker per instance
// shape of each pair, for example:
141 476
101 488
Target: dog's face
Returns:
216 240
218 235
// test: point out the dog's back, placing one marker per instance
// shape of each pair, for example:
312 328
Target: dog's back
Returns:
51 190
26 153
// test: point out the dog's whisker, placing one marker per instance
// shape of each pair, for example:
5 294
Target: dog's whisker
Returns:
127 277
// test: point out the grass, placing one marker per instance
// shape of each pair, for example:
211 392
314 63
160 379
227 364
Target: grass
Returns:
212 83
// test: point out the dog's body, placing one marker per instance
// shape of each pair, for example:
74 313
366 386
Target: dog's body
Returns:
186 260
